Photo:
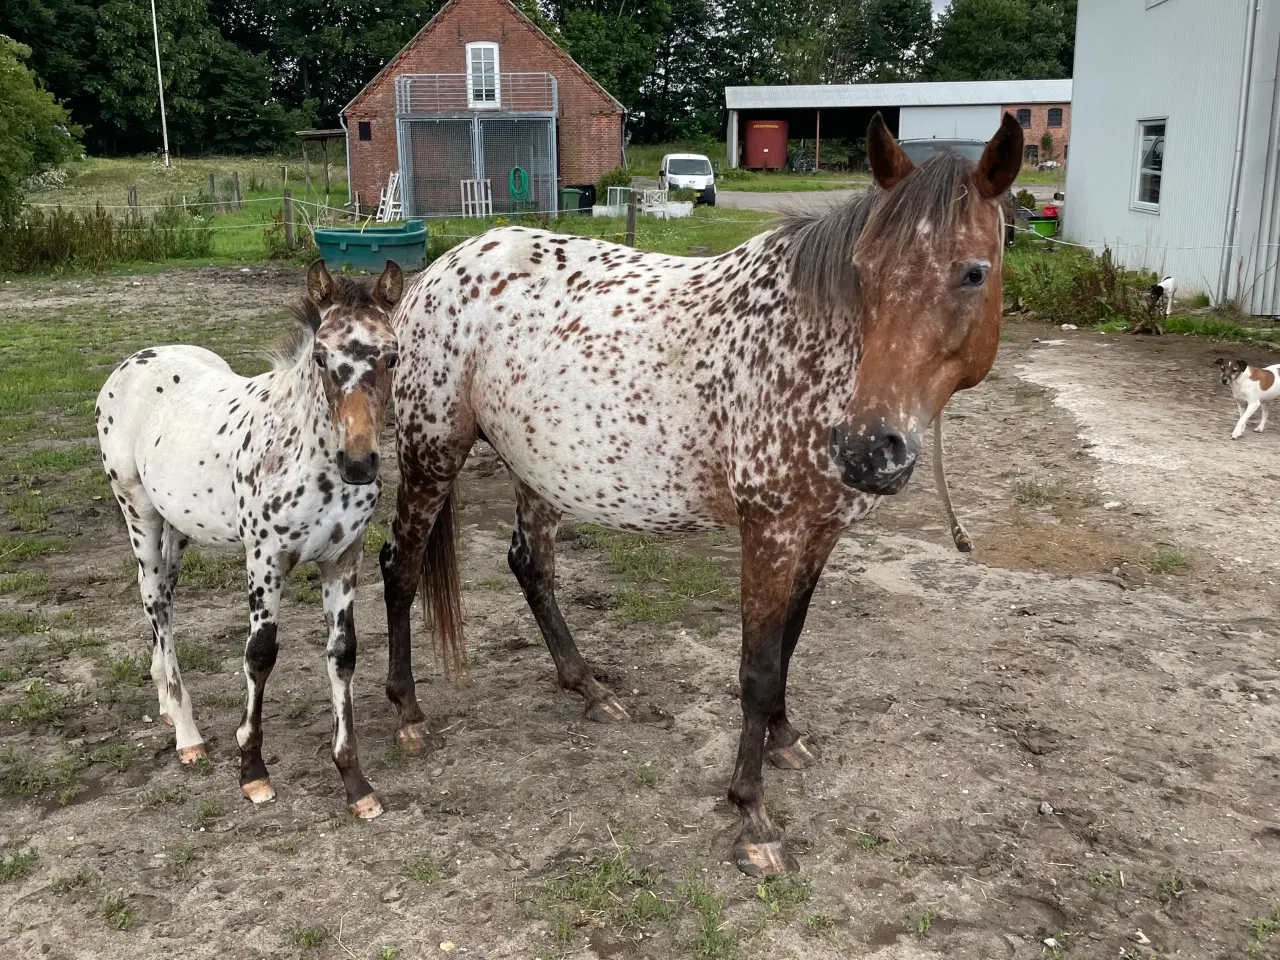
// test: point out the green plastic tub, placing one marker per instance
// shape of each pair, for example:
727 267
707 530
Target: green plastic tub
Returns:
369 248
1044 226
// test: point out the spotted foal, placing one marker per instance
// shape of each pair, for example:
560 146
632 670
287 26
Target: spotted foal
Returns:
782 387
285 463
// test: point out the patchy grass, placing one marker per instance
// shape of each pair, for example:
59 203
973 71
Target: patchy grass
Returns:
298 707
41 706
646 775
26 776
212 571
715 940
28 583
862 839
161 796
1172 888
1105 878
375 535
198 658
1034 493
1167 560
780 893
15 550
307 938
17 865
919 924
209 810
118 755
425 871
82 879
134 671
116 909
20 625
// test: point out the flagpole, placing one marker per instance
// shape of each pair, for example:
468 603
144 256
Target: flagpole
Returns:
164 125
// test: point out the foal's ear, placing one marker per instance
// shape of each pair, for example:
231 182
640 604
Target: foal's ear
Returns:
1001 161
390 285
888 163
319 283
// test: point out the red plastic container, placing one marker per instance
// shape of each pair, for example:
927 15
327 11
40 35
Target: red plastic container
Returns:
766 146
1050 210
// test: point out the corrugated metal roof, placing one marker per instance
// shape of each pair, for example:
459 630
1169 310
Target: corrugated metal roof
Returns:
809 96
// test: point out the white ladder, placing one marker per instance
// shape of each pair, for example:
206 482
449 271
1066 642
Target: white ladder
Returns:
390 202
477 198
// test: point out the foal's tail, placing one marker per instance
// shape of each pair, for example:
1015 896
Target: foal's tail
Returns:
442 593
959 535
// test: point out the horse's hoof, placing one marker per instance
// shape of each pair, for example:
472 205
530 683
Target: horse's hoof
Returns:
368 807
259 791
962 541
167 719
410 740
770 859
798 756
189 755
607 710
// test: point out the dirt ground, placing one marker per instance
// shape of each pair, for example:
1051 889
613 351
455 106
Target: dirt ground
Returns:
1062 745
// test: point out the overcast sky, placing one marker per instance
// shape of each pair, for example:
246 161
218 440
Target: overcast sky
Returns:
939 6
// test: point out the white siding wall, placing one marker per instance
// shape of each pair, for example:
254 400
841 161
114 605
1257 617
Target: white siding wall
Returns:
1180 59
949 123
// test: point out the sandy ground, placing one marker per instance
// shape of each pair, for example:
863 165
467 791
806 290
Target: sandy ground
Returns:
1048 748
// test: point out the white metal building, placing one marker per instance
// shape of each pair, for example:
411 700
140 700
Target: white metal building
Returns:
960 110
1175 128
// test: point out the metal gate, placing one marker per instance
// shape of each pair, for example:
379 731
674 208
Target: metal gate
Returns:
437 154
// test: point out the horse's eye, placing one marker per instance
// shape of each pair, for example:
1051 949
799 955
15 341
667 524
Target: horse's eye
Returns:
319 358
975 277
391 361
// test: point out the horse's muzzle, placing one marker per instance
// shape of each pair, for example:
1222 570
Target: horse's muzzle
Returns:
358 470
875 460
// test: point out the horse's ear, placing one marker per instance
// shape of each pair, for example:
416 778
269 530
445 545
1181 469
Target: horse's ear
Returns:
888 162
319 284
1001 161
390 285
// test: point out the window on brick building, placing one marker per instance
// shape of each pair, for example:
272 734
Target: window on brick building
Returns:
482 75
1055 116
1024 118
366 130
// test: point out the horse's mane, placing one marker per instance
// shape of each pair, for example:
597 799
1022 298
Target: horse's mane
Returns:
937 194
349 292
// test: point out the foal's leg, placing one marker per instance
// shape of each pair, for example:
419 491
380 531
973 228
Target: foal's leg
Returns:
339 615
770 552
532 558
266 581
786 749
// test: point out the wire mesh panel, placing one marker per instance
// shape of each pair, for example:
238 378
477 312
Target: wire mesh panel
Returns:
435 157
516 156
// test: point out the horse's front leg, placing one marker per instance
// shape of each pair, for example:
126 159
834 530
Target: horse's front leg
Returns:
339 578
771 548
787 750
266 581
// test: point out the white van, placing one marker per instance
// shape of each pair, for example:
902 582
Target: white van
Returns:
691 171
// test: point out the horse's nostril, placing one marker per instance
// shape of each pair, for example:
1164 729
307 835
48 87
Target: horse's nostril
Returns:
890 450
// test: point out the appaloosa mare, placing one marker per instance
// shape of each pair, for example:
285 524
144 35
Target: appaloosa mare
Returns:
285 463
782 387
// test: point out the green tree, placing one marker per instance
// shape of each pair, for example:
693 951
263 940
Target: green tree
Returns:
1005 40
35 131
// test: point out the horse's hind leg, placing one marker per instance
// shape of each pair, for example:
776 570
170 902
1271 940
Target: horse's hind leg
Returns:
532 558
266 581
339 614
784 747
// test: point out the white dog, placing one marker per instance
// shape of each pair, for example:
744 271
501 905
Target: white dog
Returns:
1162 294
1251 387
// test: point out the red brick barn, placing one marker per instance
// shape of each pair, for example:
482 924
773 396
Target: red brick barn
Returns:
479 92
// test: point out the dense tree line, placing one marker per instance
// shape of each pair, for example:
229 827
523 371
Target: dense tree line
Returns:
241 75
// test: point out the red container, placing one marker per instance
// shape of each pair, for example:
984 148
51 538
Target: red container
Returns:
766 146
1050 210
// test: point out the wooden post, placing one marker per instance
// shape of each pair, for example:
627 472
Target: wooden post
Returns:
817 142
288 219
326 169
133 204
213 194
284 175
306 167
631 219
357 208
235 190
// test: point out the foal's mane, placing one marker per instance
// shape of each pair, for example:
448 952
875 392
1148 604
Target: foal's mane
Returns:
348 292
938 193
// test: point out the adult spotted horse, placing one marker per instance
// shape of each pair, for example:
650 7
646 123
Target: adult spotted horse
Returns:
783 387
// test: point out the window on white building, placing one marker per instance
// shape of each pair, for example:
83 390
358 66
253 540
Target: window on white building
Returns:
482 75
1150 165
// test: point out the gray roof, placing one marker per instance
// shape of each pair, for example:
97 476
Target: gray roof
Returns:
966 93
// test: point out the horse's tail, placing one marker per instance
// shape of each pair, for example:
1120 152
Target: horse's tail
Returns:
442 593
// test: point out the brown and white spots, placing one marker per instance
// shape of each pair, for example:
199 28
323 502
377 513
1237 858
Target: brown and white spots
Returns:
1252 388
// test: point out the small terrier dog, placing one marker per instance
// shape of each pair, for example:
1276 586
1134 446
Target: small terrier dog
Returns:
1251 387
1162 294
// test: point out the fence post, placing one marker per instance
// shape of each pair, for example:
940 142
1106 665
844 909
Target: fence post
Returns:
213 194
631 219
284 175
288 219
235 190
132 200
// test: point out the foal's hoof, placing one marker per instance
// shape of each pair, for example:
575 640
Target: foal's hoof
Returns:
607 710
367 807
769 859
259 791
962 541
798 756
410 740
191 754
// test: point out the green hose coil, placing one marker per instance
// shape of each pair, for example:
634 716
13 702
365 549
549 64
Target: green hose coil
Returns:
518 185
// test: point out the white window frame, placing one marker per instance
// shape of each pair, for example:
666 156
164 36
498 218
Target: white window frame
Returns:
1143 206
472 101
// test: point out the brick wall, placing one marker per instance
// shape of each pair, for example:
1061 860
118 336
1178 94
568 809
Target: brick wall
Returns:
590 122
1040 123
